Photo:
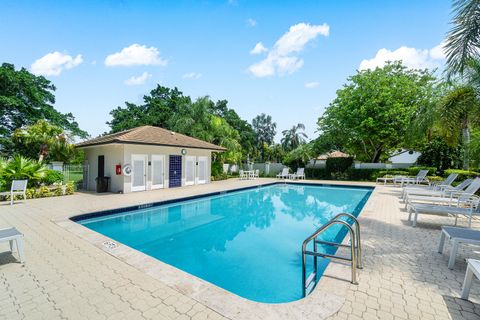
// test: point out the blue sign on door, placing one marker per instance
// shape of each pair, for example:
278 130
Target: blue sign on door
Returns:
175 171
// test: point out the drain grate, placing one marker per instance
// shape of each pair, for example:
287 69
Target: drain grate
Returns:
109 244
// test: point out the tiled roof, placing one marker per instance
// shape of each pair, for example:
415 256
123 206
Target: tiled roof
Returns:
150 135
333 154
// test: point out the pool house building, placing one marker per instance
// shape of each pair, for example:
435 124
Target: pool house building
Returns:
146 158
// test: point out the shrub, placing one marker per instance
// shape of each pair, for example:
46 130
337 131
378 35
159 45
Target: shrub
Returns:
317 173
338 164
462 174
23 168
51 177
217 169
44 192
365 174
413 171
70 188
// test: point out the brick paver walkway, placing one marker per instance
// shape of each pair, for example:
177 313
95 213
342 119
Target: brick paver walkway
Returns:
66 277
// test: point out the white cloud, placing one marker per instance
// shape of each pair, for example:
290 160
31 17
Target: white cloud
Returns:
136 55
53 63
411 58
281 59
141 79
311 85
192 75
259 48
251 22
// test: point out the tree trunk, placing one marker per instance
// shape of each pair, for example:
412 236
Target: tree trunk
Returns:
466 148
376 155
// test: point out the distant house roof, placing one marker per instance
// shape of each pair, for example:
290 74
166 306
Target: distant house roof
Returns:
333 154
149 135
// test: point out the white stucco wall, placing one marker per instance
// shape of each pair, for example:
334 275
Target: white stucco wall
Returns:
122 154
113 155
131 149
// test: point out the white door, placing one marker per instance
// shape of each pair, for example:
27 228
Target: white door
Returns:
189 170
202 170
139 172
158 171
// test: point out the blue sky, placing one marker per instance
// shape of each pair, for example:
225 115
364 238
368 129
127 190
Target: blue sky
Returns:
308 49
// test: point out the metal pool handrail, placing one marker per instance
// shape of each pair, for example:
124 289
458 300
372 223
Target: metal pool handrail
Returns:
355 250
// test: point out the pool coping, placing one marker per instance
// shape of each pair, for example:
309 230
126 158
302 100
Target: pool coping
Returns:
325 300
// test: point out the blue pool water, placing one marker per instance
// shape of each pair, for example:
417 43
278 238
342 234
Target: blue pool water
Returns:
247 242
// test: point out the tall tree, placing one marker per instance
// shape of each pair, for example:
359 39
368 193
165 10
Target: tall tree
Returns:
44 141
459 111
25 99
247 135
294 137
265 131
372 112
157 110
463 40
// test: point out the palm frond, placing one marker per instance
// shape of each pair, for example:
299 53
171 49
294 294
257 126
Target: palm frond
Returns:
463 40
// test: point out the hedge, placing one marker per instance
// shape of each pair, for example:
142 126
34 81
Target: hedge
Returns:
45 192
413 171
462 174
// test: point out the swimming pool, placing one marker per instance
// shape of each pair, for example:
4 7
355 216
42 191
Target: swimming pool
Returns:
247 242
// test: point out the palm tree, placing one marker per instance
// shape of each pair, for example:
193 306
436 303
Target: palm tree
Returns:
463 41
459 110
293 138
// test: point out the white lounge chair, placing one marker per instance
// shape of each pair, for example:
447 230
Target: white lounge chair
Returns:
473 268
386 178
419 178
284 174
440 190
19 187
464 206
450 199
15 238
456 236
256 174
433 186
300 174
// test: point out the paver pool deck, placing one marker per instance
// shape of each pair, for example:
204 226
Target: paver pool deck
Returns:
68 277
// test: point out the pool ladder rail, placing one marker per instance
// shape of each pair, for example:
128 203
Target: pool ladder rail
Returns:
355 250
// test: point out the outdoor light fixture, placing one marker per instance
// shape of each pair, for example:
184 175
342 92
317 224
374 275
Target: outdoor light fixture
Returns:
184 151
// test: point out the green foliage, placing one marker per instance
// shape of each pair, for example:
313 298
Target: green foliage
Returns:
19 168
158 108
265 130
217 169
44 141
300 156
70 189
44 192
25 99
338 164
52 176
274 153
413 171
462 174
350 174
459 111
463 39
202 119
293 138
437 153
371 113
317 173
